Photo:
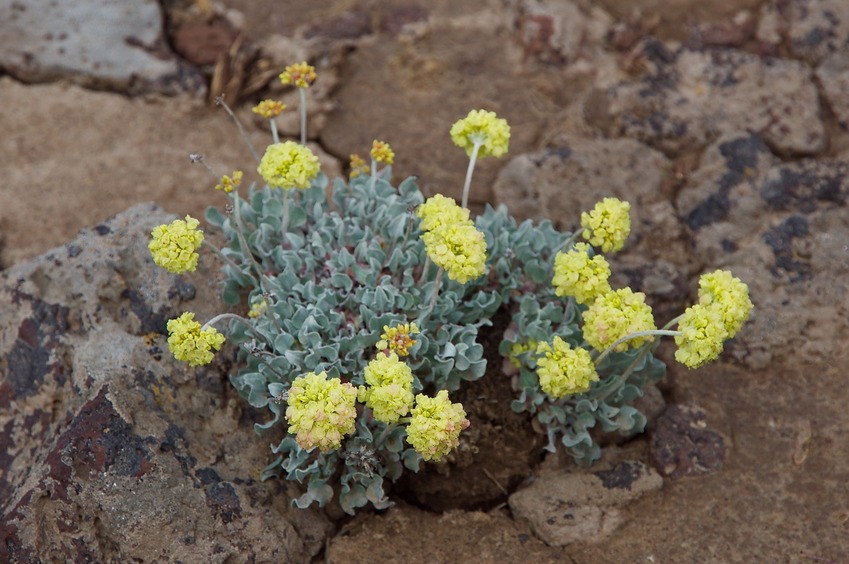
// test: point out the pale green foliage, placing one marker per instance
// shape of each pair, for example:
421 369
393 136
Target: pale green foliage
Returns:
353 264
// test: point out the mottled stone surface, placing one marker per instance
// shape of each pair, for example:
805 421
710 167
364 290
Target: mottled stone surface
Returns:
683 445
833 75
111 450
563 508
112 44
795 257
686 98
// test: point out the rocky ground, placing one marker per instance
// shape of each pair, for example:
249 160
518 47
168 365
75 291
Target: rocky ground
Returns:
724 123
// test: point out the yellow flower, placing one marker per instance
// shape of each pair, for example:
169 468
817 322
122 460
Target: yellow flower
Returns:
440 210
288 165
321 411
382 152
229 184
608 224
174 246
729 296
459 249
518 348
389 388
702 336
398 339
269 108
564 371
578 275
190 343
358 166
435 426
485 128
300 74
257 308
615 315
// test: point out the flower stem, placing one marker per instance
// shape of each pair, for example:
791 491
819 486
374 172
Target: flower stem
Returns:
302 92
469 171
222 316
437 283
284 225
637 335
224 258
274 135
220 101
569 242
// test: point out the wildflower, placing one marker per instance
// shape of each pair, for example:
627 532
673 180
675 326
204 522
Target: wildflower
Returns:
459 249
485 128
616 314
288 165
257 308
703 333
389 388
321 411
229 184
578 275
191 343
564 371
608 224
382 152
729 296
434 429
269 108
174 246
441 210
358 166
398 339
301 75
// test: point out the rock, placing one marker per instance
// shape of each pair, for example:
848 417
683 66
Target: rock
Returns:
682 445
794 257
563 508
833 75
816 28
686 98
99 43
110 449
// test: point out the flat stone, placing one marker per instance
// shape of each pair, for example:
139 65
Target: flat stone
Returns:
686 98
111 450
110 44
833 75
563 508
794 257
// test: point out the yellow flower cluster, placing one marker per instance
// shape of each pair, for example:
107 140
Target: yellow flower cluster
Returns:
724 306
485 128
301 75
228 184
459 249
288 165
440 210
451 240
608 224
382 152
257 308
269 108
190 343
174 246
435 425
615 315
702 336
321 411
389 388
578 275
358 166
729 296
398 339
564 371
